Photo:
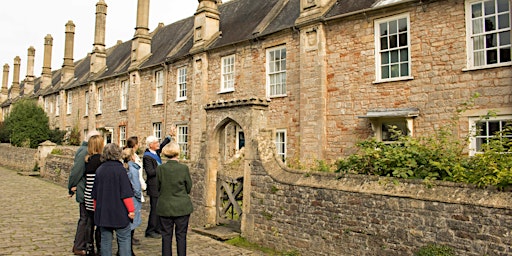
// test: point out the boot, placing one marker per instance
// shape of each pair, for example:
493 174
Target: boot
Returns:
135 241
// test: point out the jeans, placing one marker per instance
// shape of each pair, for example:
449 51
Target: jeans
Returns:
124 240
178 224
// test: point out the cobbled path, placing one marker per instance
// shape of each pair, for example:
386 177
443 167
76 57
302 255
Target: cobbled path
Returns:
38 218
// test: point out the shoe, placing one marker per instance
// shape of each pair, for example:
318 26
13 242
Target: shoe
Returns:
153 235
79 252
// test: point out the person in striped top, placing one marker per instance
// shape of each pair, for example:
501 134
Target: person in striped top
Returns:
92 162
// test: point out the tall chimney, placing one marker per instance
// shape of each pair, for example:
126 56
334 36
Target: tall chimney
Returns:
206 23
141 44
4 90
46 75
99 55
29 78
15 87
68 68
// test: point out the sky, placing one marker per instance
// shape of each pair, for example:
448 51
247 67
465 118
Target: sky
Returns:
26 23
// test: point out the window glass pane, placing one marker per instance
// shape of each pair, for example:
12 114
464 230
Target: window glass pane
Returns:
503 6
490 40
394 56
504 21
403 39
489 7
393 27
476 10
404 55
490 23
479 58
385 72
383 29
505 54
394 71
478 26
393 41
478 42
481 128
384 58
492 56
383 43
283 53
404 69
402 25
494 126
504 38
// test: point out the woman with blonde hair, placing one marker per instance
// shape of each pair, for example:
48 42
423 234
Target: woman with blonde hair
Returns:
92 162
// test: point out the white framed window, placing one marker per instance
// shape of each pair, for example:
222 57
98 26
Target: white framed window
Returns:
181 84
157 130
392 48
159 87
488 33
484 130
70 103
122 136
281 144
182 140
276 71
86 111
387 130
57 105
99 97
227 83
124 94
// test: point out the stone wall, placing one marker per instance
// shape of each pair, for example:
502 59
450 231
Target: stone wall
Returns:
18 158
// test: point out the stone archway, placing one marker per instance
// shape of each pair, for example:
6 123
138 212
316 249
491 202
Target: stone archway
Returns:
226 161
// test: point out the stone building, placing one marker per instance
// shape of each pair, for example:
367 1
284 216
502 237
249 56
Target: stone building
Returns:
322 74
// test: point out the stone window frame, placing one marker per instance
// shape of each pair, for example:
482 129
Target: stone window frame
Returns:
99 102
228 69
475 36
124 94
69 102
87 102
159 86
57 104
181 83
280 141
399 50
474 145
275 89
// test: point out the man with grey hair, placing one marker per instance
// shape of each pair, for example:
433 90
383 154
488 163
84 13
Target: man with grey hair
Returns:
76 185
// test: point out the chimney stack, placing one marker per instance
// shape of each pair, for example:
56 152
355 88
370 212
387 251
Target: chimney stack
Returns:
29 78
4 90
99 55
68 68
206 24
141 44
15 87
46 75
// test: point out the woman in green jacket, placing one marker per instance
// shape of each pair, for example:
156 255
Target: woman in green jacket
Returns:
174 205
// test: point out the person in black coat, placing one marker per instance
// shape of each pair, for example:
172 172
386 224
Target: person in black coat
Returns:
150 161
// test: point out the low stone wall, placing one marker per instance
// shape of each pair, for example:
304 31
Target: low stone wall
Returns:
18 158
326 214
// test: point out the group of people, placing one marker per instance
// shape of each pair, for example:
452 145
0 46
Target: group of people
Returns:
108 183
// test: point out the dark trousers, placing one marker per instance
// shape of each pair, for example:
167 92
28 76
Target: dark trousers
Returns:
92 232
180 226
80 239
153 221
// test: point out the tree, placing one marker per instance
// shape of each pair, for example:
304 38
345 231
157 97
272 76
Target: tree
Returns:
27 124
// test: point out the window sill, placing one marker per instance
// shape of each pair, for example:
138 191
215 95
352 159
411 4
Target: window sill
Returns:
123 110
487 67
397 79
157 104
226 91
180 99
277 96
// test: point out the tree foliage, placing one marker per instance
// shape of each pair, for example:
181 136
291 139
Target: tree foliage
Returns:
27 124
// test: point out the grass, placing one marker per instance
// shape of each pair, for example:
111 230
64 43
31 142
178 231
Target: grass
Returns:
243 243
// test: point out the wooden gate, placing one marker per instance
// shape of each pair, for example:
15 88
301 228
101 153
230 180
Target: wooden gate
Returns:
229 201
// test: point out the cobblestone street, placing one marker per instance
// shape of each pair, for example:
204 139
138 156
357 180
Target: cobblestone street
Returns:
38 218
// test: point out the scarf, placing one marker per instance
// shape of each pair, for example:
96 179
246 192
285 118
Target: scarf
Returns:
154 156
